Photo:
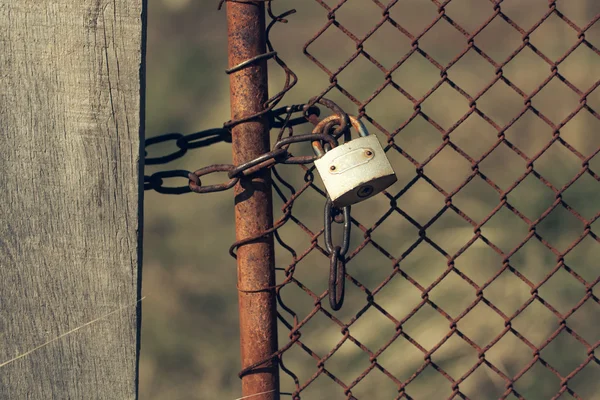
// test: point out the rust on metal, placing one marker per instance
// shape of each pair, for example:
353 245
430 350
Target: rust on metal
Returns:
253 202
255 228
196 185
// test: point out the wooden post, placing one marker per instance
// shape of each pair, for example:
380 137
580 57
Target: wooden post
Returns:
71 127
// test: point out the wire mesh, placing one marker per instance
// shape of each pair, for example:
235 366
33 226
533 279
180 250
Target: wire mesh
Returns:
500 302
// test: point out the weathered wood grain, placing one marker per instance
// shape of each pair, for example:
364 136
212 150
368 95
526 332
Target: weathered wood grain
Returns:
70 200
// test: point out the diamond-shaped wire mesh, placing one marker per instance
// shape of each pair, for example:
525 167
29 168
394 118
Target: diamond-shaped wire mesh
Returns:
475 275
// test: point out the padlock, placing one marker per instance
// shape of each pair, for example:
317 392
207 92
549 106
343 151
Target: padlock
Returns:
356 170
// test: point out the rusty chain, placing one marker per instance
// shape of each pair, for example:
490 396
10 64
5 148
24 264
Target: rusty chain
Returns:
279 154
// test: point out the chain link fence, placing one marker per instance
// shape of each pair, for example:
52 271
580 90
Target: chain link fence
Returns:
475 275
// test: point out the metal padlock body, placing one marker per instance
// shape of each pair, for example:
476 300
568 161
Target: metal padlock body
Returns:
356 170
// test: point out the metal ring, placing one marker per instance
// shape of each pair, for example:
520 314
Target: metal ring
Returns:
347 228
196 186
337 279
336 110
356 124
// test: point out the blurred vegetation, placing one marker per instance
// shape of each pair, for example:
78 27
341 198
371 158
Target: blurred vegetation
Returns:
190 337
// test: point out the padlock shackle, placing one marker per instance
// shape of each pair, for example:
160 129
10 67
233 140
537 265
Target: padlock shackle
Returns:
345 121
356 123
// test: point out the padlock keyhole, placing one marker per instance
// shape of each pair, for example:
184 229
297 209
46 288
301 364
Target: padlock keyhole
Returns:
365 191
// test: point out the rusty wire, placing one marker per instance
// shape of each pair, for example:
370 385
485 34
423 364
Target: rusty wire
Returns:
290 319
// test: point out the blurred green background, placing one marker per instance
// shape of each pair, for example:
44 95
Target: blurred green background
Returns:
190 336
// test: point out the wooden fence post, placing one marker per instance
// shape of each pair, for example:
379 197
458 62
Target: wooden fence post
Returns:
71 130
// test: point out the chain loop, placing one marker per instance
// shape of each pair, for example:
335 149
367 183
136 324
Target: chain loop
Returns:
263 161
344 123
196 185
337 279
329 218
337 255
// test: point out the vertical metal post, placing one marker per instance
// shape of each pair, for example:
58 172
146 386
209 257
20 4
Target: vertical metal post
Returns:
253 202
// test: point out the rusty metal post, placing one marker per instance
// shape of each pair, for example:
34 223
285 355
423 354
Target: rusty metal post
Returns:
253 202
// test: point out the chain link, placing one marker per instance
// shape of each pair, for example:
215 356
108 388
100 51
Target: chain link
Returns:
337 254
